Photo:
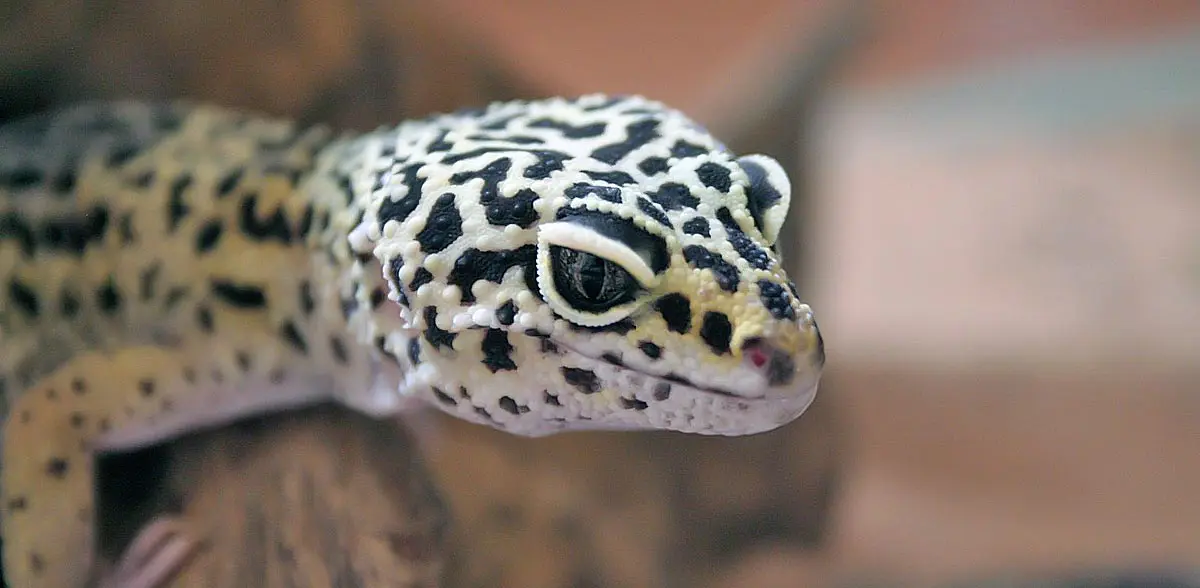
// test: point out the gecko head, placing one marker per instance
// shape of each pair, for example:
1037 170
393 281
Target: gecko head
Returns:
597 263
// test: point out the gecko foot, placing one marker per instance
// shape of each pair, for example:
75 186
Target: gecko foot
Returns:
153 558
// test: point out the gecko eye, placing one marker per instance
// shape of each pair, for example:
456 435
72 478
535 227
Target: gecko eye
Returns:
594 269
590 283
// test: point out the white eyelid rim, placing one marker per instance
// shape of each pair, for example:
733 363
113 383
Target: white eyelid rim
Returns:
580 238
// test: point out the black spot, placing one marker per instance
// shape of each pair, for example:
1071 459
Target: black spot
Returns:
674 196
662 391
204 318
696 226
716 331
474 265
636 135
546 346
15 228
442 226
633 403
65 181
506 313
547 163
651 349
420 277
125 229
75 232
619 178
174 297
243 360
653 165
585 380
443 397
612 358
177 208
36 564
227 184
17 504
517 139
238 295
108 298
148 281
438 144
491 174
307 302
291 333
56 467
653 211
146 388
581 190
510 406
776 299
378 295
701 258
399 210
273 228
516 210
437 337
304 227
741 243
144 179
497 351
77 420
604 104
714 175
208 236
79 387
568 130
683 149
68 304
121 155
414 351
24 297
481 411
340 354
22 178
676 310
346 187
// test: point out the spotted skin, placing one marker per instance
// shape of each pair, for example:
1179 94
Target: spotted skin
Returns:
594 263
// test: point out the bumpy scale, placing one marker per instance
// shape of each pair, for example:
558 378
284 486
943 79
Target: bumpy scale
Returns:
596 263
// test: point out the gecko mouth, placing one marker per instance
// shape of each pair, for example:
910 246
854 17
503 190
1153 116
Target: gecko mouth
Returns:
668 378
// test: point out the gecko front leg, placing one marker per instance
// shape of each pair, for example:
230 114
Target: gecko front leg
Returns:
152 559
133 397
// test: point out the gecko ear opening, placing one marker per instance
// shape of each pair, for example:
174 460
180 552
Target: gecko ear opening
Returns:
594 269
768 195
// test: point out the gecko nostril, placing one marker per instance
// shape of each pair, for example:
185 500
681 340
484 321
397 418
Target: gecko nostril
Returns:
757 351
776 365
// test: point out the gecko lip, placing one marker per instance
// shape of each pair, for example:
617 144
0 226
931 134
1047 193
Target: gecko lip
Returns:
669 378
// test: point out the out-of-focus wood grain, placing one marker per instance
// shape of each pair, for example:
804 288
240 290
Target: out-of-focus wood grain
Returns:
314 498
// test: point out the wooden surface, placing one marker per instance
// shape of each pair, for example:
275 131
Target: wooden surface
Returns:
315 498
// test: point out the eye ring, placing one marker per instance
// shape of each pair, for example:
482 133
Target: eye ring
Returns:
615 296
589 282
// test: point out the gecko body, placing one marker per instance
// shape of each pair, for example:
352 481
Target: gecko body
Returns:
543 266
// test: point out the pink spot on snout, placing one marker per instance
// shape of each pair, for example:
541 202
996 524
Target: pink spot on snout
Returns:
757 356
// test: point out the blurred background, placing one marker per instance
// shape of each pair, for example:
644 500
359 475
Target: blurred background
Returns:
996 219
